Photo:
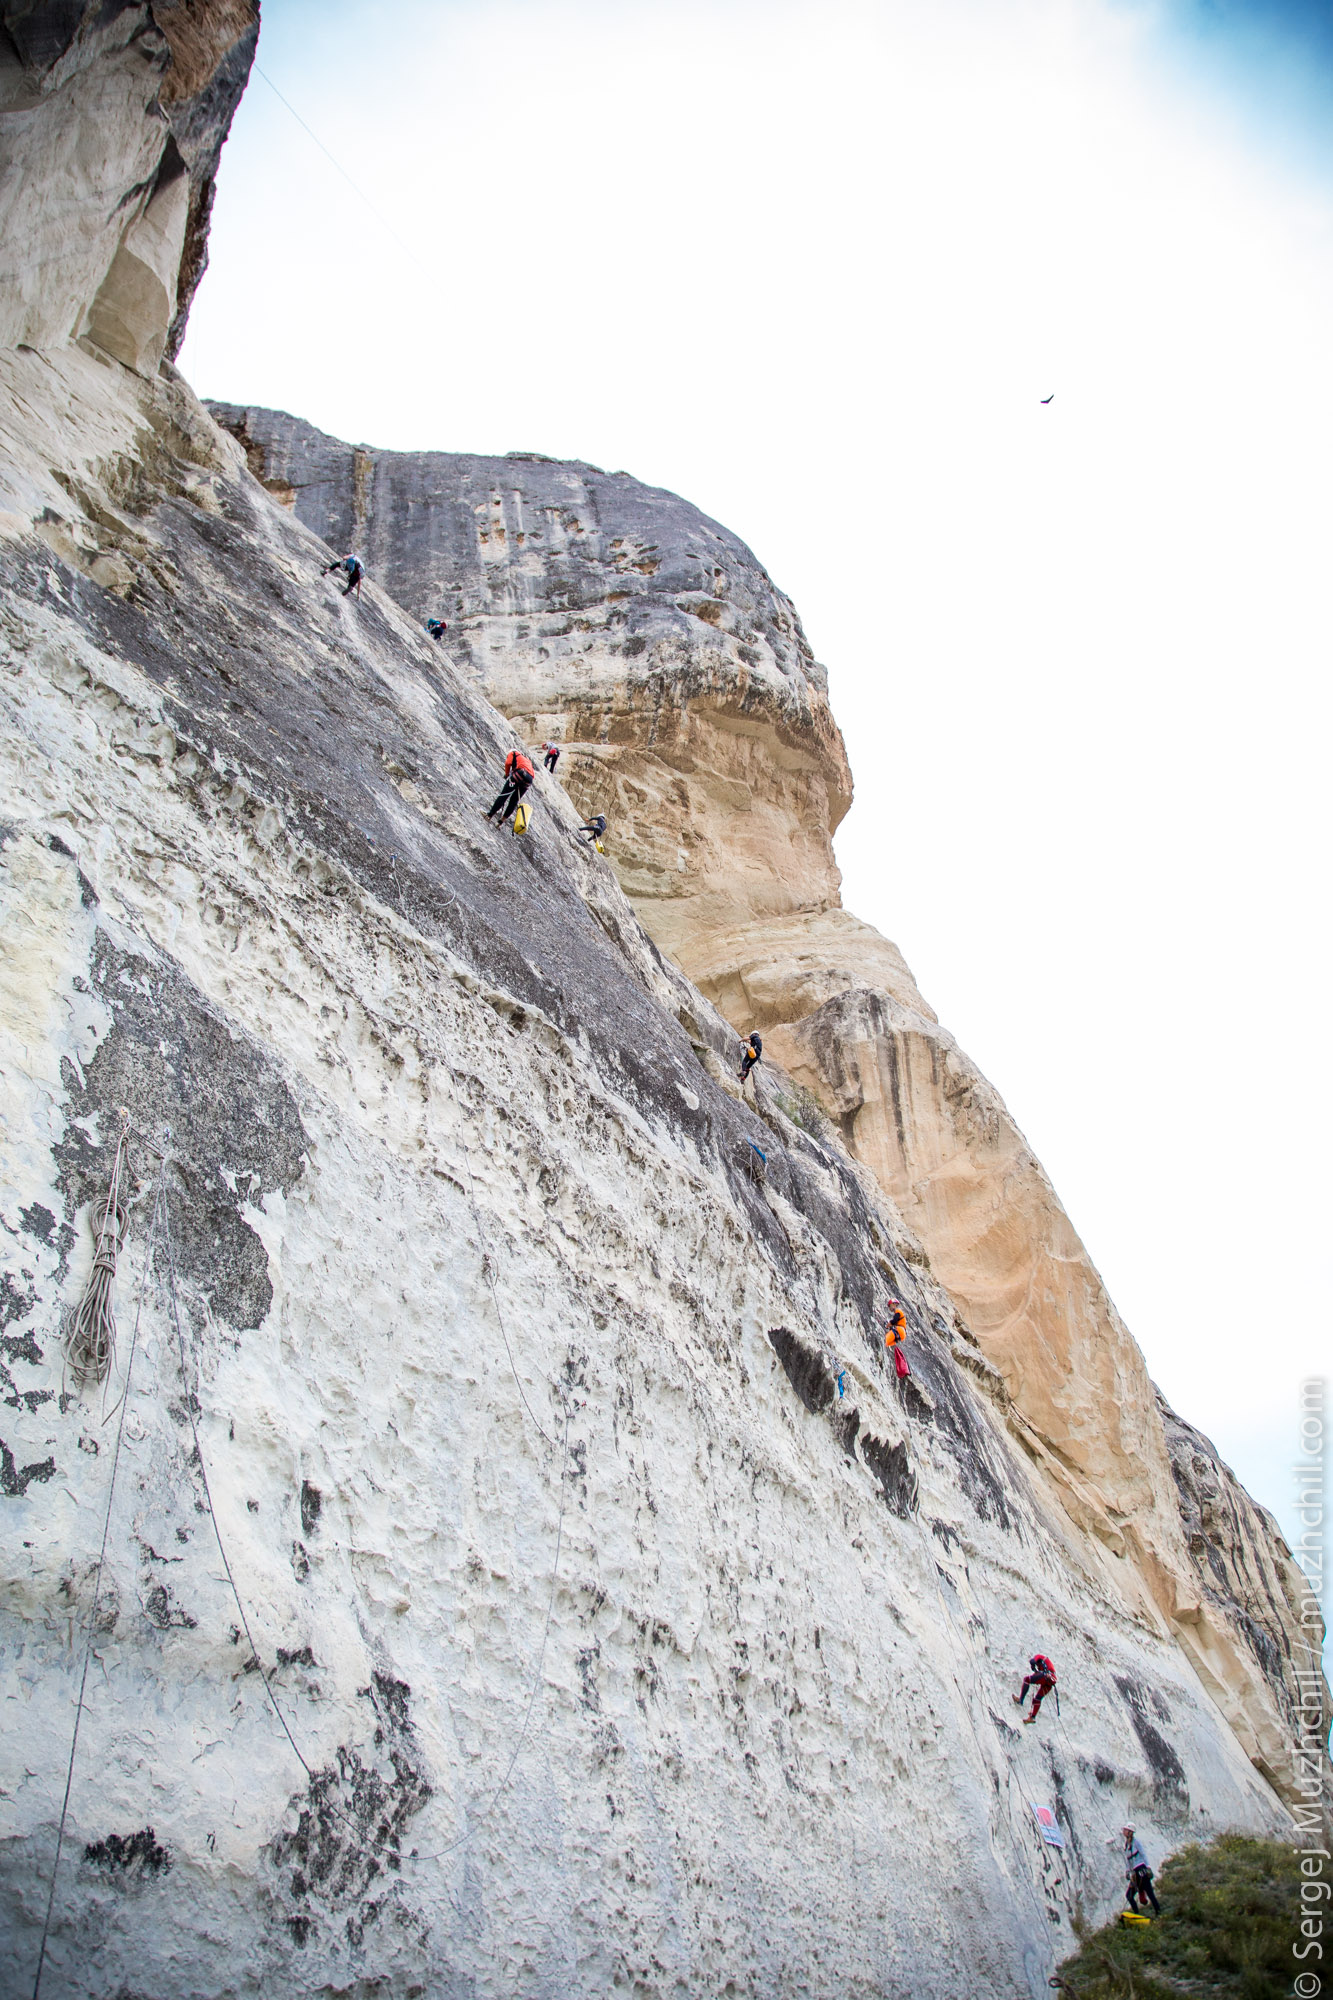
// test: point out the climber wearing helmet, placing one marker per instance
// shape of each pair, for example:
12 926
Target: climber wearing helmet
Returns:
519 774
1138 1875
550 755
753 1051
436 627
1042 1678
351 568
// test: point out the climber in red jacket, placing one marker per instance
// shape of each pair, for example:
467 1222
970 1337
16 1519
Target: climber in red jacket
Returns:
1042 1678
519 774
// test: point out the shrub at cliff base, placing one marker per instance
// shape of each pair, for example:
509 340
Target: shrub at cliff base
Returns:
1230 1914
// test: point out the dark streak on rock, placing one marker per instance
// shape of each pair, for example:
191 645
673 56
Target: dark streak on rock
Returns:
15 1480
175 1063
131 1855
312 1500
351 1823
1167 1770
805 1369
892 1467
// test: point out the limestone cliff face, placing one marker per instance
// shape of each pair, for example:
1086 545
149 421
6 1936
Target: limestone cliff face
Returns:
112 119
649 639
619 618
503 1561
631 1619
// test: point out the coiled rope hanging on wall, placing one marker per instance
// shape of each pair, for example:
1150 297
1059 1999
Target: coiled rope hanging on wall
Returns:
90 1332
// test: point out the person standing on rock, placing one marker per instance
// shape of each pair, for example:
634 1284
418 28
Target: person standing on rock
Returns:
753 1053
1042 1678
1138 1875
352 570
519 774
550 755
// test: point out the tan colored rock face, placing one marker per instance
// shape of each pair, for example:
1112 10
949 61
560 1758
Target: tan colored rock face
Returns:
658 651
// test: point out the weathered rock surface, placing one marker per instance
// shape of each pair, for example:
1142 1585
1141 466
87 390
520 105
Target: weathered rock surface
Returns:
112 119
402 1059
487 1364
623 620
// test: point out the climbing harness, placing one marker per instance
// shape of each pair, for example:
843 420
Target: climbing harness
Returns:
153 1227
90 1335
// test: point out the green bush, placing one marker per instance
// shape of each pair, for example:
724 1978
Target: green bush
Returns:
804 1109
1230 1915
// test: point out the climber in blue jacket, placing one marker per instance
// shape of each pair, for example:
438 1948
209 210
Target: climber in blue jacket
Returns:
352 570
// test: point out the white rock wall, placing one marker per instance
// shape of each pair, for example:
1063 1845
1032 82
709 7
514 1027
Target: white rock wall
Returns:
767 1745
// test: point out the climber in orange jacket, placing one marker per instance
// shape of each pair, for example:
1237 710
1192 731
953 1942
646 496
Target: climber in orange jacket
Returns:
894 1335
519 774
1042 1678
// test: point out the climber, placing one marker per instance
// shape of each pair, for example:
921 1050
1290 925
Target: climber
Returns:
550 755
519 774
592 829
436 627
351 567
894 1336
1042 1678
751 1054
1138 1875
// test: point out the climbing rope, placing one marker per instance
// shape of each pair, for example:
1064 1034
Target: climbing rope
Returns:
190 1400
442 1853
1041 1914
157 1217
90 1336
487 1269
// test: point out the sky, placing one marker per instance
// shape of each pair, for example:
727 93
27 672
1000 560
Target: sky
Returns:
815 265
